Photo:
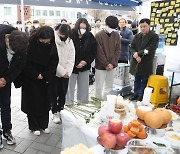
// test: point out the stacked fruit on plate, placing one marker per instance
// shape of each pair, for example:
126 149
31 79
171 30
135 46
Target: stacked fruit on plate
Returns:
135 130
112 136
158 118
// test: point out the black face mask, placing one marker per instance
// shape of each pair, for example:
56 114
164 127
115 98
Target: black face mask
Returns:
63 38
135 31
44 44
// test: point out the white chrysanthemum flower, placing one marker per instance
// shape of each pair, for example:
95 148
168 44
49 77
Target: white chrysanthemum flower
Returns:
146 52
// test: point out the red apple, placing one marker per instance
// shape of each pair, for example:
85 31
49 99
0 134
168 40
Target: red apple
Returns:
99 140
108 140
122 139
115 126
103 129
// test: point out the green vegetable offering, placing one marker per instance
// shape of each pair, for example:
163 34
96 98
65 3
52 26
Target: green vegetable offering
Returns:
160 144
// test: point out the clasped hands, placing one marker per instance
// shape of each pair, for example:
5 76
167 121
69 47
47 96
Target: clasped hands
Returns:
2 82
138 59
109 67
81 64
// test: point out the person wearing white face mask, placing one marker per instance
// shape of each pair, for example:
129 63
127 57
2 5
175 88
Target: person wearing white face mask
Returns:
109 30
13 46
108 53
85 50
36 24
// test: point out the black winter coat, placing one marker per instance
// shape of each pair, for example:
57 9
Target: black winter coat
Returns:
139 44
10 71
85 49
35 92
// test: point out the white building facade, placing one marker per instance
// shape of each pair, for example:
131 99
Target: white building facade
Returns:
42 13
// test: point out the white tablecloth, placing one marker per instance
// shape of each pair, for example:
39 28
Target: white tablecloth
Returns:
73 133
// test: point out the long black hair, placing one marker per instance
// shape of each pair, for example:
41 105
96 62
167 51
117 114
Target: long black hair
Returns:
77 25
64 29
38 53
44 32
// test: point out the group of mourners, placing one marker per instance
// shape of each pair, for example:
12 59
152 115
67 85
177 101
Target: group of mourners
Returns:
49 64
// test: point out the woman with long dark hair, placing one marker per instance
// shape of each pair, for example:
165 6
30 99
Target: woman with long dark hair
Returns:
40 69
85 50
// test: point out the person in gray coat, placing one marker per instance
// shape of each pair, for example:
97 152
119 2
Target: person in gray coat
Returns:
143 48
126 37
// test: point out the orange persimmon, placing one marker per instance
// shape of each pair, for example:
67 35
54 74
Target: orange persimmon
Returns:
142 134
125 128
134 123
130 125
134 130
140 127
131 134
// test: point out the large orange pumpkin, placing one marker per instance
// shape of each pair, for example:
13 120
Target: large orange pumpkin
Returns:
141 111
165 114
153 120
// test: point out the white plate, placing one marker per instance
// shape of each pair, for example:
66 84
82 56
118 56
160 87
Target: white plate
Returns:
174 143
176 125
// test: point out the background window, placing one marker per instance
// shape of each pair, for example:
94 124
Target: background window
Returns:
37 12
65 14
72 15
51 13
7 11
44 12
58 13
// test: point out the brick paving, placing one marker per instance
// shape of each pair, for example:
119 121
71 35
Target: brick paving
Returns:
27 142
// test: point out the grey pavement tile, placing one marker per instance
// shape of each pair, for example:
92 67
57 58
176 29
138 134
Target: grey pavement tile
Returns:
12 147
7 151
19 122
56 131
53 140
23 146
26 135
59 144
56 151
15 110
22 117
41 147
26 130
30 151
17 129
40 152
53 125
42 138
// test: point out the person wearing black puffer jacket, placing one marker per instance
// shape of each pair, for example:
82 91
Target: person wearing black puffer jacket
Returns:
85 51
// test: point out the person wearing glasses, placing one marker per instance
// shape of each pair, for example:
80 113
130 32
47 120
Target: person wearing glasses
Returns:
42 60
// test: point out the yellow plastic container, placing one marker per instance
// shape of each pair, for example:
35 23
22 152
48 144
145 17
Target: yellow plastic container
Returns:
160 87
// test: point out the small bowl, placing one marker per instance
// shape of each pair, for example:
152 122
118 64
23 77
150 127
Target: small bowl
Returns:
173 142
160 149
139 145
176 125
